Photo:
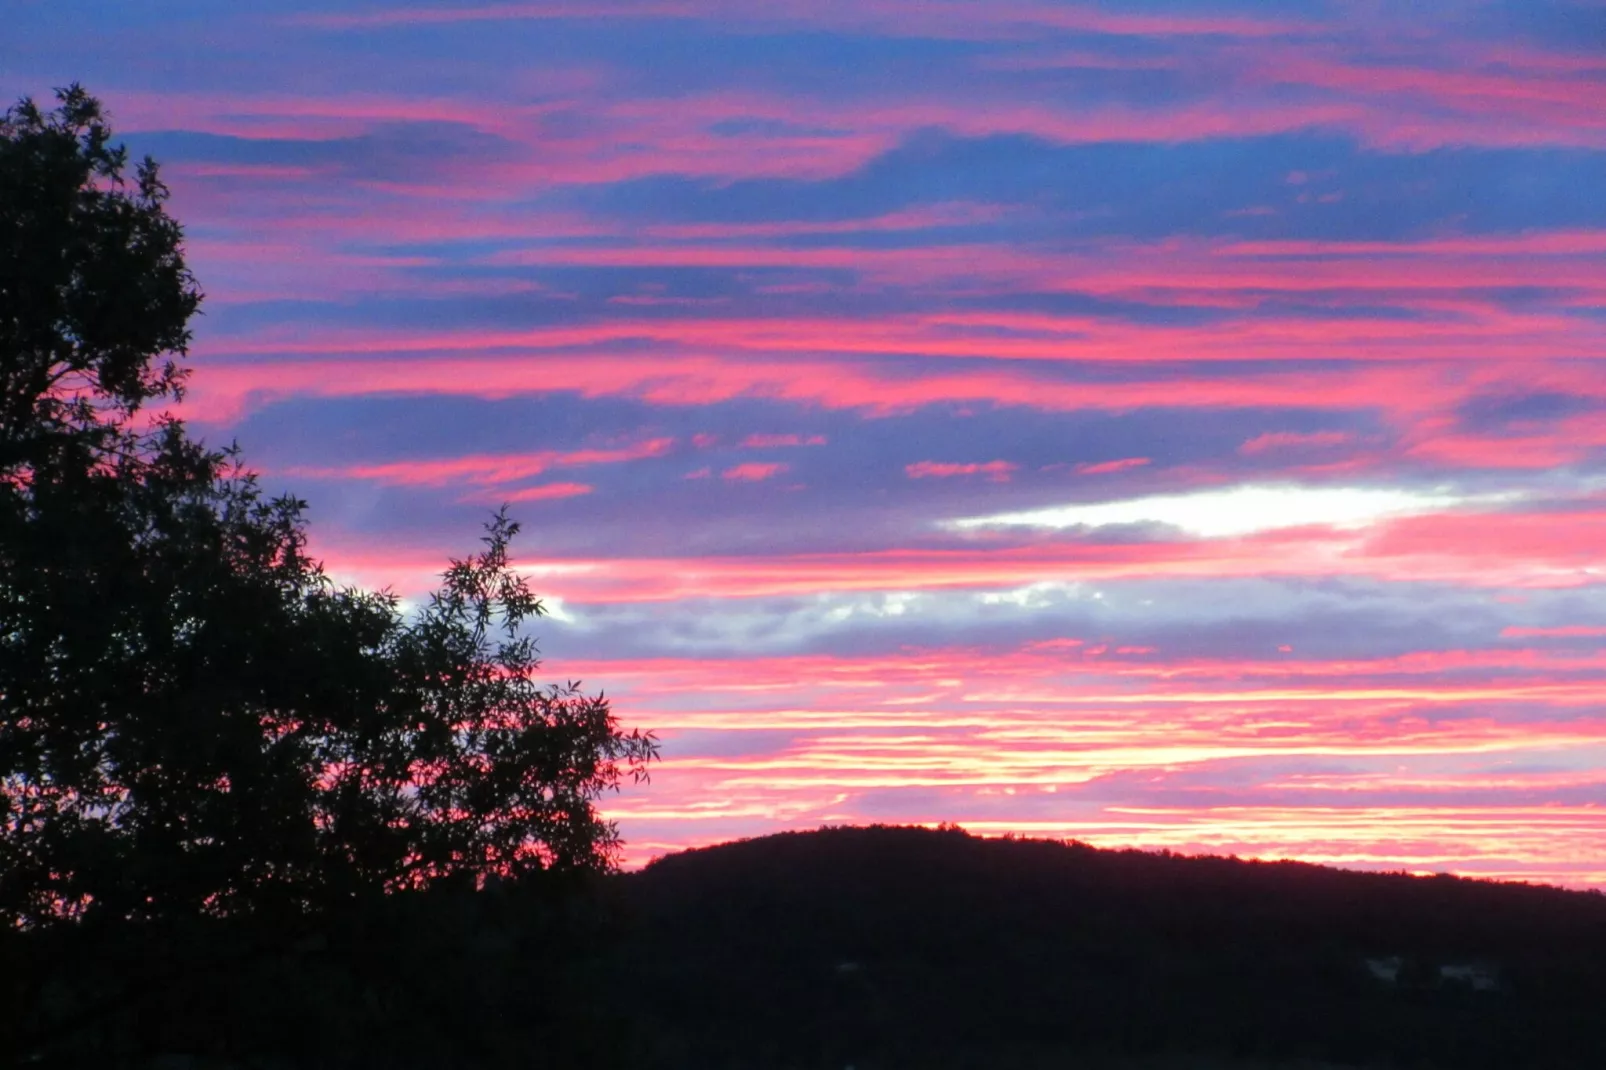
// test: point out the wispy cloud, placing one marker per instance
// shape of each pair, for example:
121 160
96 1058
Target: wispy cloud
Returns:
753 471
1101 468
1146 424
483 469
997 471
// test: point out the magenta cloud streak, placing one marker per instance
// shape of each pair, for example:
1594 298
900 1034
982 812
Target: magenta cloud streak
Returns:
1165 427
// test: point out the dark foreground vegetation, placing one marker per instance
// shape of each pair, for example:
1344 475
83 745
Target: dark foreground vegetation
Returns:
875 948
244 810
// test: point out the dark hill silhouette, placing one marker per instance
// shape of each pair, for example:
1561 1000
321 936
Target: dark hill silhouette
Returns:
879 948
907 947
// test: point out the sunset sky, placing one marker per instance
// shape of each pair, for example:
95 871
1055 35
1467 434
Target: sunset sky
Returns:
1163 423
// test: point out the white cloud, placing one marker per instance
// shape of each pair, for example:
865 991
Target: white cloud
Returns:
1243 510
1033 596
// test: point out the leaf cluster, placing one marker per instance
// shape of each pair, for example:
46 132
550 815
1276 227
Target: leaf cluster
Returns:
95 298
195 720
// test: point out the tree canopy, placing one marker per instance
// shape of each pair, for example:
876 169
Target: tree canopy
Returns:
195 720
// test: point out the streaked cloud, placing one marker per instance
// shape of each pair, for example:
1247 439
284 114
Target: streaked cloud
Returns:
1156 425
484 469
753 471
997 471
1563 631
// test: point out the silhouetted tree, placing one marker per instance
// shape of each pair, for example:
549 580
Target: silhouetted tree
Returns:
194 720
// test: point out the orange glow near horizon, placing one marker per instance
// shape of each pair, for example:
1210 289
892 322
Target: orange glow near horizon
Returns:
1379 764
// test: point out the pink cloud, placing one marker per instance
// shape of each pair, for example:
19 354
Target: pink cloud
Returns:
1420 756
954 728
1521 444
883 16
626 138
951 728
484 468
753 471
1275 440
996 471
1474 451
434 16
222 391
777 441
1445 289
920 218
548 491
1482 87
1477 550
1106 467
1549 549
